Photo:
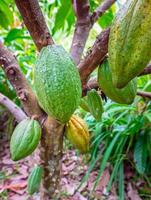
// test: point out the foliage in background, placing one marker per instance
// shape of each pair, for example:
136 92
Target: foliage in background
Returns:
121 138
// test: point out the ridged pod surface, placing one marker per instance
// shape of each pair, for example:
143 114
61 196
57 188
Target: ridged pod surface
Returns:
130 41
34 180
57 83
78 134
25 139
95 104
125 95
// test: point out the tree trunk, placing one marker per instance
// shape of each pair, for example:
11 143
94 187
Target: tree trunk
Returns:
51 157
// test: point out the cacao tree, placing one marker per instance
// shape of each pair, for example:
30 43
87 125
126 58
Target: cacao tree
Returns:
43 109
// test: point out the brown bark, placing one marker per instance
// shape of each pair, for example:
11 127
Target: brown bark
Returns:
144 94
51 156
82 28
146 71
19 82
84 24
95 56
13 108
35 22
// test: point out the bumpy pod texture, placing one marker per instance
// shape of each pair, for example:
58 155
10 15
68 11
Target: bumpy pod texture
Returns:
25 139
34 179
78 134
95 104
57 83
130 41
125 95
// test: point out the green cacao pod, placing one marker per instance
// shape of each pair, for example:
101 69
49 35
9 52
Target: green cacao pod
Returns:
84 104
125 95
130 41
95 104
34 180
25 139
78 134
57 83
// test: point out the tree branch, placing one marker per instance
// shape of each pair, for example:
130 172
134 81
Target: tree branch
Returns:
19 82
84 24
101 10
146 71
144 94
82 28
94 57
12 107
93 84
35 22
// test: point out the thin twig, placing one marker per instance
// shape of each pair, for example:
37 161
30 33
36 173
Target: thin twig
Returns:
35 22
101 10
93 84
144 94
19 82
16 111
146 71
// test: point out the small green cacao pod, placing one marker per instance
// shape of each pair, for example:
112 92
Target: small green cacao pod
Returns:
95 104
57 83
84 104
130 41
125 95
25 139
34 180
77 133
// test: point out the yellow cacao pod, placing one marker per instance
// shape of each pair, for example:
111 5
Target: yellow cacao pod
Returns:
78 134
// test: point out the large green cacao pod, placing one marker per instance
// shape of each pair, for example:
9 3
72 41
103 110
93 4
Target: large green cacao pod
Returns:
125 95
95 104
57 83
34 180
130 41
24 139
77 133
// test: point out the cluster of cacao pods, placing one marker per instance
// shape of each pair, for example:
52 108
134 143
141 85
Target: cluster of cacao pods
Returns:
77 133
25 139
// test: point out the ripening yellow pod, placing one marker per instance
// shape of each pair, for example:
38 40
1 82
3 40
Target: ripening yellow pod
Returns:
78 134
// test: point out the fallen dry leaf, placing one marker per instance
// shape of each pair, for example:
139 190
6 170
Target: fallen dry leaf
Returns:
132 193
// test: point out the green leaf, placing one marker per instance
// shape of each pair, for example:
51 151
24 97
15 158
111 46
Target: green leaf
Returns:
64 14
106 157
121 182
15 34
6 15
106 19
140 154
